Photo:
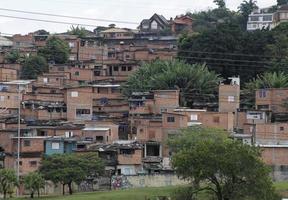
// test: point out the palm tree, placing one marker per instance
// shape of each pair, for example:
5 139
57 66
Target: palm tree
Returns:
195 82
246 8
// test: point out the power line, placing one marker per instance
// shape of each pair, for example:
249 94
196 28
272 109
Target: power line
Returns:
48 21
68 16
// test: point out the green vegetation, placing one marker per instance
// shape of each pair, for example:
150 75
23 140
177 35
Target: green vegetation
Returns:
12 57
69 168
192 80
56 50
79 31
223 168
33 182
8 182
220 40
34 66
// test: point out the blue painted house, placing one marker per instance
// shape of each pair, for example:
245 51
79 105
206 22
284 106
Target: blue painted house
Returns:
59 145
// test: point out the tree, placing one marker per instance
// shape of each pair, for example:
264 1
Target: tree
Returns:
246 8
34 182
220 3
56 50
226 168
79 31
8 181
282 2
228 50
12 57
195 82
33 66
69 168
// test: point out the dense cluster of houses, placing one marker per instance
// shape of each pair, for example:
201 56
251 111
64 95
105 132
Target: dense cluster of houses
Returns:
78 107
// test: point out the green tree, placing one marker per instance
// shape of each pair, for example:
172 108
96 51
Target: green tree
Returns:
33 66
12 57
246 8
224 167
282 2
69 168
8 181
56 50
79 31
227 50
195 82
34 182
220 3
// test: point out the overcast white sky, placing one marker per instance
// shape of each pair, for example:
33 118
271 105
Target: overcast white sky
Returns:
124 10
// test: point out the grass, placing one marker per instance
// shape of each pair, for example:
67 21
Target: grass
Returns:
140 194
133 194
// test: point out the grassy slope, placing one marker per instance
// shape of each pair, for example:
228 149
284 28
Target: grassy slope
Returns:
139 194
134 194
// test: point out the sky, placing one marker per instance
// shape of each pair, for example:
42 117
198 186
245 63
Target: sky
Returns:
115 10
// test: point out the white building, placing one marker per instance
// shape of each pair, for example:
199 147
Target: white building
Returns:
260 19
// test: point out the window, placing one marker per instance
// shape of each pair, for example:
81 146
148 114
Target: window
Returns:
20 163
68 134
267 18
97 73
99 138
193 117
55 145
263 107
116 68
262 93
281 128
154 25
216 119
254 18
71 44
33 163
123 68
82 111
77 73
74 94
27 143
170 119
129 68
45 80
231 98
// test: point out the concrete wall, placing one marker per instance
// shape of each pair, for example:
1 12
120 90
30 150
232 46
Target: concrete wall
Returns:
122 182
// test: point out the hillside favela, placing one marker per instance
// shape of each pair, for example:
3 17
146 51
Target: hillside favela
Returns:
144 100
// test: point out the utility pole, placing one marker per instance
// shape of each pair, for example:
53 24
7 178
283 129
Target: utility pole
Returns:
18 137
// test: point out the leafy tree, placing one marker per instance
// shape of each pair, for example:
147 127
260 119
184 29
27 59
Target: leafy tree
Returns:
227 50
220 3
33 66
79 31
224 167
12 57
112 25
282 2
8 181
267 80
246 8
69 168
34 182
195 82
56 50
